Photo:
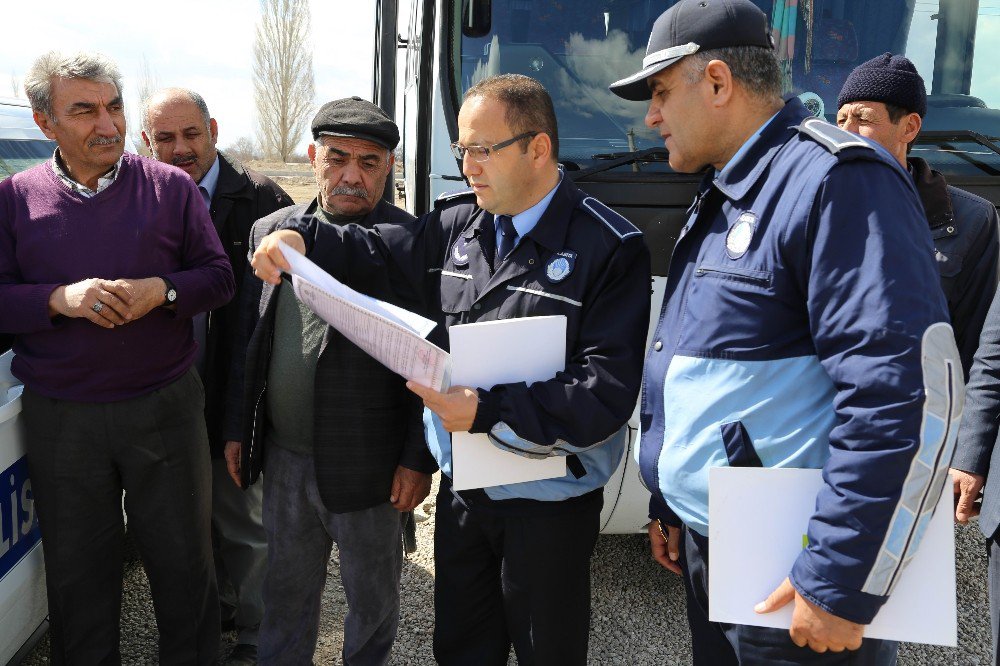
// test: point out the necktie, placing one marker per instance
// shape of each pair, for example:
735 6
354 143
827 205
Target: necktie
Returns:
508 236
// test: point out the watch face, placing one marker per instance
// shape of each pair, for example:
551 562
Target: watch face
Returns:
171 295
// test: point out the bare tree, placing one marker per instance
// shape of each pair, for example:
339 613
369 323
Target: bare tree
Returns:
15 85
282 75
147 83
244 149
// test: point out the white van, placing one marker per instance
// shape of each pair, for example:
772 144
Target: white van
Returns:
23 608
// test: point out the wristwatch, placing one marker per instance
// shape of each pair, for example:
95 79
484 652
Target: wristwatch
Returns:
170 295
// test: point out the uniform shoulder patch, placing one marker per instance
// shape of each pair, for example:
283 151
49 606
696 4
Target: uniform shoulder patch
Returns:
452 196
618 225
830 136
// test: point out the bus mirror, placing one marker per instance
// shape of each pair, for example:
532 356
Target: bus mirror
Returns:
476 17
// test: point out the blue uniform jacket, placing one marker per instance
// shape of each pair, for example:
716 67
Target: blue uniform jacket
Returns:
804 326
581 260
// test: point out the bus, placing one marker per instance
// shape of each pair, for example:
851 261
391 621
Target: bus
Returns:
435 50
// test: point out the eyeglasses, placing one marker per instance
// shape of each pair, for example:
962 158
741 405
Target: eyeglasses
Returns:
482 153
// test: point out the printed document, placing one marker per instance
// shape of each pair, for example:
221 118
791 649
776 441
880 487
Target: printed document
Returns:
757 527
527 349
391 335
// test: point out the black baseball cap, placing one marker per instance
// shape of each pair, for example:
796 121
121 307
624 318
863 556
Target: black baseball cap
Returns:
691 26
356 118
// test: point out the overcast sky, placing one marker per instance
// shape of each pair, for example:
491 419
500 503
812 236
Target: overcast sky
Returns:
207 45
201 44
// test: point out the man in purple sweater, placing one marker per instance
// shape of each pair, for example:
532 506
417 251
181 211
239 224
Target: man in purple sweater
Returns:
104 260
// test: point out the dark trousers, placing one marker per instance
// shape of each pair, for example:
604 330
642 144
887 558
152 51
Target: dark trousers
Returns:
521 579
240 551
719 644
993 576
81 456
300 535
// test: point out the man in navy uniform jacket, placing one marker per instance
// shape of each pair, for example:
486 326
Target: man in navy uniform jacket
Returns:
802 322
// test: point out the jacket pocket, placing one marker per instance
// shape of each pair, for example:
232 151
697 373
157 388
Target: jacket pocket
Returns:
949 263
458 292
739 447
744 275
723 307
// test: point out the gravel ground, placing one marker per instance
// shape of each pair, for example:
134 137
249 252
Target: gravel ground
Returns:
637 618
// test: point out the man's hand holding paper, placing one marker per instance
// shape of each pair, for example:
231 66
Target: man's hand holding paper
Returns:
268 260
811 625
389 334
456 407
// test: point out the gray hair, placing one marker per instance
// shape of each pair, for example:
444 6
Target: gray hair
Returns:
90 66
755 68
171 93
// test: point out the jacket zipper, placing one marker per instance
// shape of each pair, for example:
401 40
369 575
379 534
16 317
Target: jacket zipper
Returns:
740 275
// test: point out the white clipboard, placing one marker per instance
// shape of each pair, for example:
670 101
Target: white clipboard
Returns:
757 521
526 349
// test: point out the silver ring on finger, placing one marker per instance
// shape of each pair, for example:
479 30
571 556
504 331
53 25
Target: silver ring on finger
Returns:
97 307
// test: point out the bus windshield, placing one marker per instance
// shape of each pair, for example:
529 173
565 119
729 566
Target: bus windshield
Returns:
577 48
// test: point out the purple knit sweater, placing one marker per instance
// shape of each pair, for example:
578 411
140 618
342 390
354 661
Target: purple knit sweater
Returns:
151 222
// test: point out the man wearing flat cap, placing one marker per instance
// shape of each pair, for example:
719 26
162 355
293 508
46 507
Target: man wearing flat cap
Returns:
343 437
803 326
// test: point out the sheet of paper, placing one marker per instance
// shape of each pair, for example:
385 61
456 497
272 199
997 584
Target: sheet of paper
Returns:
307 270
527 349
757 522
389 334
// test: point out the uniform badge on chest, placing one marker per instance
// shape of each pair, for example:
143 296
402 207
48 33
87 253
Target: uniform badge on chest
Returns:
460 252
560 266
740 234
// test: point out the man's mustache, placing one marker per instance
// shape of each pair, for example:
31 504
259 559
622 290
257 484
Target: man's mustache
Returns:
104 141
350 191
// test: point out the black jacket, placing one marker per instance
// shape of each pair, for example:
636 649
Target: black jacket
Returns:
964 229
366 421
241 198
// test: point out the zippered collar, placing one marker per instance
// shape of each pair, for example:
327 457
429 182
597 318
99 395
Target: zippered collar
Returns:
752 160
933 191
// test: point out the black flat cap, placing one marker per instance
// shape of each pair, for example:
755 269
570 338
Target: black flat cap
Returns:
691 26
355 118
